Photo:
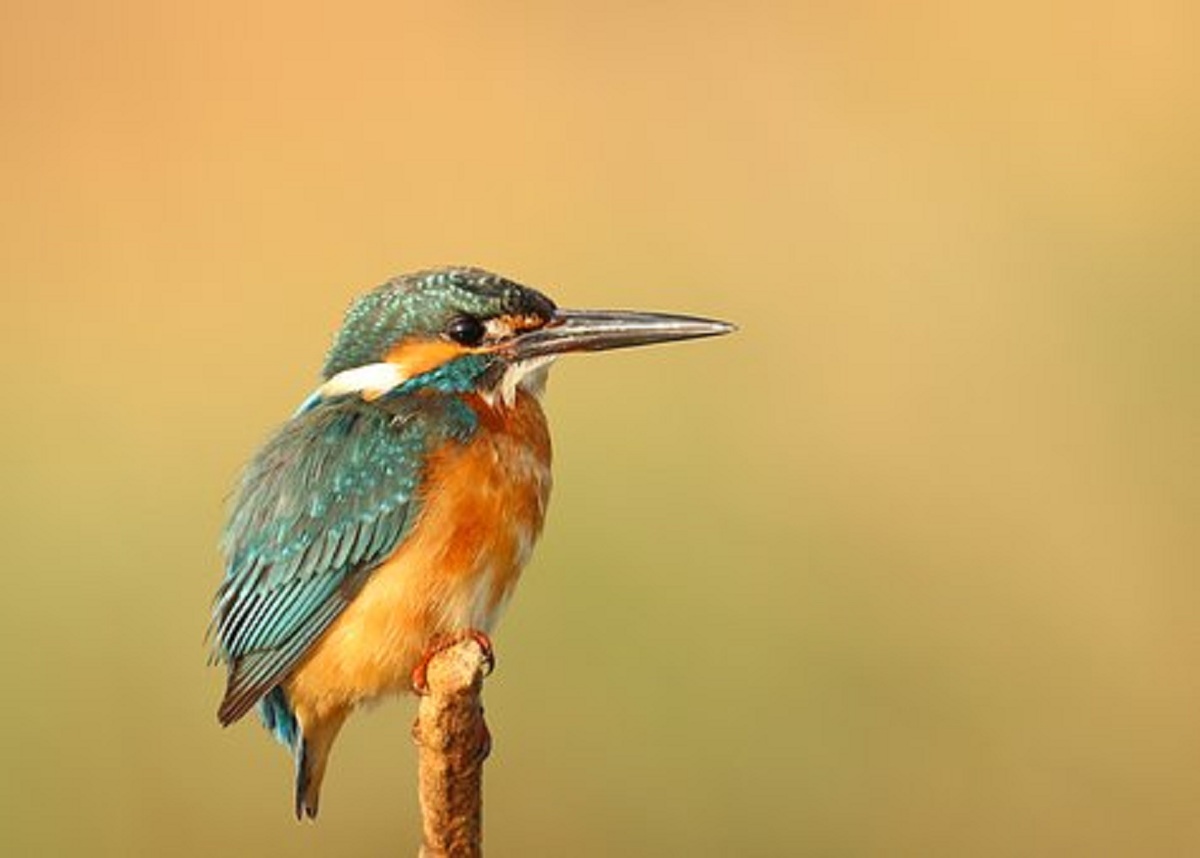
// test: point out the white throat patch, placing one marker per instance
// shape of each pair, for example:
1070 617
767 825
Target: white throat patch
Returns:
529 375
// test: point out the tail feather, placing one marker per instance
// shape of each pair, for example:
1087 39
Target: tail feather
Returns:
308 738
277 716
308 787
312 754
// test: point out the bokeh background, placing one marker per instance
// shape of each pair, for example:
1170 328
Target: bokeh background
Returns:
907 567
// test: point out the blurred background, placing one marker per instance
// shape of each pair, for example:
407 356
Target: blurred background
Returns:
907 567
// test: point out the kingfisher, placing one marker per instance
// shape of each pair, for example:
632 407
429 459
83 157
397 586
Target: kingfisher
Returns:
393 512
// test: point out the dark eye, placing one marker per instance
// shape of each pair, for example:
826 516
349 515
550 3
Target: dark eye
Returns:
465 330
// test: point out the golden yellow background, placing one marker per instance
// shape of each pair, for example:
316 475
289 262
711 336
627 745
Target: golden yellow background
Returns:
907 567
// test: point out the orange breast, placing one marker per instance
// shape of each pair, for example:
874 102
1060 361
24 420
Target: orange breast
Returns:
482 509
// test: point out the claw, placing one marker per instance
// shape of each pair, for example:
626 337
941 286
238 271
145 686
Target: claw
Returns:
420 678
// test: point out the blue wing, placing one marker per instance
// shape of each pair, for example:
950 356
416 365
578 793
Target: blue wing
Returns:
324 502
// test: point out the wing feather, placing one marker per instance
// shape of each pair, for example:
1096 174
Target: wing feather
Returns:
324 502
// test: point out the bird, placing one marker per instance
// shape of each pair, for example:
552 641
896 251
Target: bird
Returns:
393 512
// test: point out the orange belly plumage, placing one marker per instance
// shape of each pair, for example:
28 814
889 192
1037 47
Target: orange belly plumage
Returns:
482 507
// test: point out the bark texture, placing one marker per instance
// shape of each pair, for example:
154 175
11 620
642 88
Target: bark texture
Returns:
453 742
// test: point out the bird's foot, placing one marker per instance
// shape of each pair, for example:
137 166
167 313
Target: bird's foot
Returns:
420 679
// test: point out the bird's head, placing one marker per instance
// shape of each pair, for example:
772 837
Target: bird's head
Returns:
461 330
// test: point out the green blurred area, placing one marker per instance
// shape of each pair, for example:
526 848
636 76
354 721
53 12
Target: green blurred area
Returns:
907 567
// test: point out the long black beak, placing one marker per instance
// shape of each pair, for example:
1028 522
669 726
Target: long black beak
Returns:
598 330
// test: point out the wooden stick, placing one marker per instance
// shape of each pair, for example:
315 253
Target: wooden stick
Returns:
453 741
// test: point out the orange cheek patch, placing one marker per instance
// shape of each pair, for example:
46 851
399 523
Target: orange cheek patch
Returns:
416 357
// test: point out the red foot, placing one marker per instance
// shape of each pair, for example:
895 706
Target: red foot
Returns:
420 681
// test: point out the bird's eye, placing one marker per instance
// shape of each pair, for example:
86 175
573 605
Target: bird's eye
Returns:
465 330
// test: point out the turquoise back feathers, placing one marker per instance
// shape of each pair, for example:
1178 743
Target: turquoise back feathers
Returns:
326 500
